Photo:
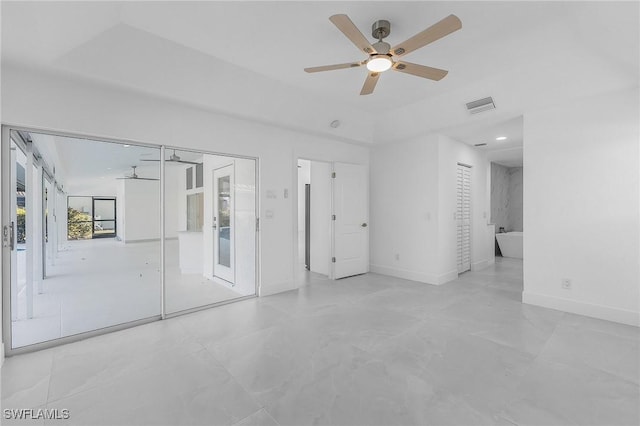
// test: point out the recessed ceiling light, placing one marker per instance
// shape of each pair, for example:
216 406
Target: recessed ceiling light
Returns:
126 146
501 138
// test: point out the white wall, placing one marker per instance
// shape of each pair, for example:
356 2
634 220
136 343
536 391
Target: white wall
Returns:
506 197
581 207
450 153
413 201
140 201
320 178
404 209
33 99
516 194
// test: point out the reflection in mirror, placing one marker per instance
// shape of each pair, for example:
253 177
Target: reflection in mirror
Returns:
198 219
195 212
90 256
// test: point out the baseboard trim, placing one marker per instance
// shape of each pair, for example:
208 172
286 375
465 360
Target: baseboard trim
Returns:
476 266
449 276
149 240
608 313
404 274
269 289
407 274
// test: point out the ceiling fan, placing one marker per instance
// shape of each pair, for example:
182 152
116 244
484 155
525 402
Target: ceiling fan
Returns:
381 56
173 158
134 176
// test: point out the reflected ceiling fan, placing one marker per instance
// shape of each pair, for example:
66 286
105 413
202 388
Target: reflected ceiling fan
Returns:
134 176
173 158
381 56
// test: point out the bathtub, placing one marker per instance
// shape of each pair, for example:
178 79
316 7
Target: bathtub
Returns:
510 244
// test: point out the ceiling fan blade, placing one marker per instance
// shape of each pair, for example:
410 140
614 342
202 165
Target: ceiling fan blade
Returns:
139 178
352 32
370 83
420 70
435 32
334 67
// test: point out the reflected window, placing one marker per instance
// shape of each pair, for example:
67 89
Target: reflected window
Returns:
79 218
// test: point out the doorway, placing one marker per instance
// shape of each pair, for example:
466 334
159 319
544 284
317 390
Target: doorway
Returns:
333 233
314 217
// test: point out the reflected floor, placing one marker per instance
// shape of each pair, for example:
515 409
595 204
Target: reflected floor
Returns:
365 350
99 283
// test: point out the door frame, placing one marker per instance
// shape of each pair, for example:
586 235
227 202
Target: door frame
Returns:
232 225
296 247
296 243
5 218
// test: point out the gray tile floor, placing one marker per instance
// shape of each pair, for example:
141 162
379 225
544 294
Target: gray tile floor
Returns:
367 350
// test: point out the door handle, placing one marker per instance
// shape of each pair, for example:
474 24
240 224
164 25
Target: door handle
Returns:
8 237
364 225
5 236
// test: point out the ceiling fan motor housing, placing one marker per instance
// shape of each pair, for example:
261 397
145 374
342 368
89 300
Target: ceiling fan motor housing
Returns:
381 29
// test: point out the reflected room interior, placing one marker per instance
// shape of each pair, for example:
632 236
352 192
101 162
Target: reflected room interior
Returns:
88 219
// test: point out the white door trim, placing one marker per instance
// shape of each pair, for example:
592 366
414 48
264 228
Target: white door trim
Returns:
219 270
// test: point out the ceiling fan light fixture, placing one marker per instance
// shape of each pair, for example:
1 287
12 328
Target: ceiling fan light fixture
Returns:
379 63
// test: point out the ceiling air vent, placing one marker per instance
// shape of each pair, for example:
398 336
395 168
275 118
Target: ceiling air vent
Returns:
481 105
480 144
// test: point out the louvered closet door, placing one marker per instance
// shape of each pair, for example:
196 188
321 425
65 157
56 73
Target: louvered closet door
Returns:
463 216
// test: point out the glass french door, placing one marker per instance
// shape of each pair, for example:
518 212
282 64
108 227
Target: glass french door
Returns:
223 224
95 283
61 279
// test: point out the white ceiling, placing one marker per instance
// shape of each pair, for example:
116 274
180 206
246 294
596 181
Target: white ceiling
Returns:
95 164
507 152
247 58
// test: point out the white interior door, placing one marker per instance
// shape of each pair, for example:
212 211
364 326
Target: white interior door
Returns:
463 216
224 224
351 221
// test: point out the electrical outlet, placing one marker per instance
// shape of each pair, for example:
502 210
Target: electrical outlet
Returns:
397 256
566 283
